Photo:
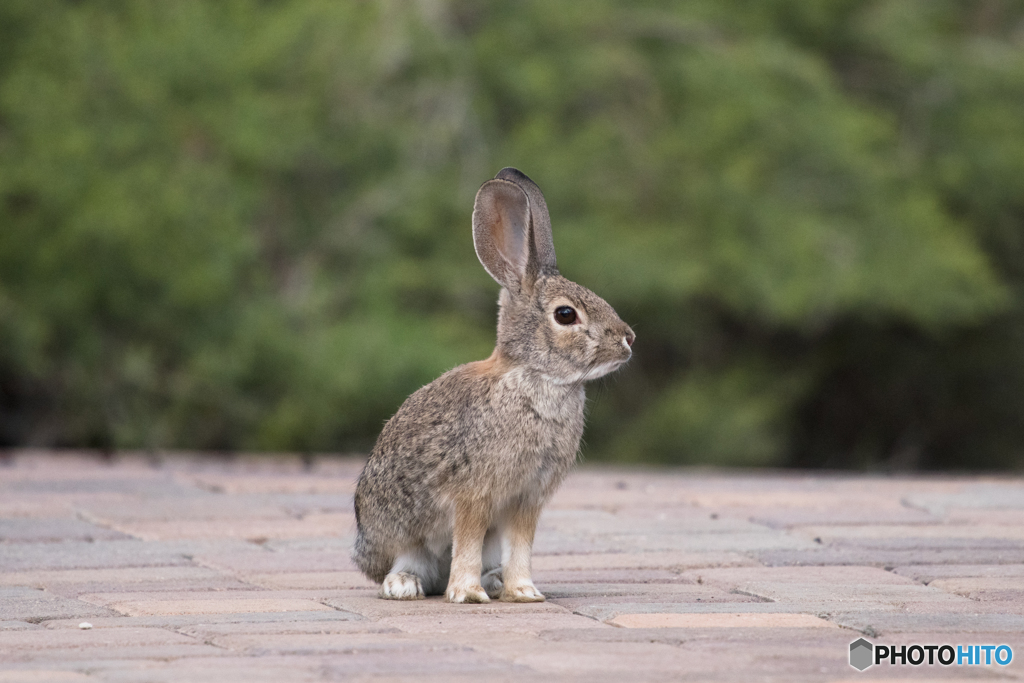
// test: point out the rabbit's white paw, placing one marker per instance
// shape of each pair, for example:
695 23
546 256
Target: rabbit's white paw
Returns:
523 592
466 594
401 586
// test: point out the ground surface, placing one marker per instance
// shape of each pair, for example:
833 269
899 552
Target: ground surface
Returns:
194 571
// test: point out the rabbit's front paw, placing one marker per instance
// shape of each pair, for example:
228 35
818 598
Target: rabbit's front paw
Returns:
401 586
523 592
462 594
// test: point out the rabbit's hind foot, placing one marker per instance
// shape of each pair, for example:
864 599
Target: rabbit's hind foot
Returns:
401 586
492 584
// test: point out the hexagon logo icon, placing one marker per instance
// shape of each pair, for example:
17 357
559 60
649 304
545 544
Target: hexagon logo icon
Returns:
861 654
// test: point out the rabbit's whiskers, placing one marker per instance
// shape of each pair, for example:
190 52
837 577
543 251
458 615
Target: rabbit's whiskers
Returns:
578 383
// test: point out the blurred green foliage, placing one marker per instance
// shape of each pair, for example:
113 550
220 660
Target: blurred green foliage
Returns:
244 224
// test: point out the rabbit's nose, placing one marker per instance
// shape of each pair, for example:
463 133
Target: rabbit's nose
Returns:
629 339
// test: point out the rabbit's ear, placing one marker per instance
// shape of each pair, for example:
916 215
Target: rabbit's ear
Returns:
543 244
501 227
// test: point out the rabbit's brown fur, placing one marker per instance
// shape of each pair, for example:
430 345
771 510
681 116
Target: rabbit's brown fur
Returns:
450 496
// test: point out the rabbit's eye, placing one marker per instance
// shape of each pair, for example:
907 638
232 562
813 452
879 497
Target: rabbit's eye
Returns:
565 315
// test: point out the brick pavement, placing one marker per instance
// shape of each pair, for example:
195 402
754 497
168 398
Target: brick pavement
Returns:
192 570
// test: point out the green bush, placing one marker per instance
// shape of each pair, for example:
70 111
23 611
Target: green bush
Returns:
245 224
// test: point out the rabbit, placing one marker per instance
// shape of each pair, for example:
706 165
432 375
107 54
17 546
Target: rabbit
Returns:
449 498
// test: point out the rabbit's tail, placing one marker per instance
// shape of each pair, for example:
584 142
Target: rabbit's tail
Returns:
370 558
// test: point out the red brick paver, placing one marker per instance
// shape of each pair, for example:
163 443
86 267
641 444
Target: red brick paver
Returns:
190 570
